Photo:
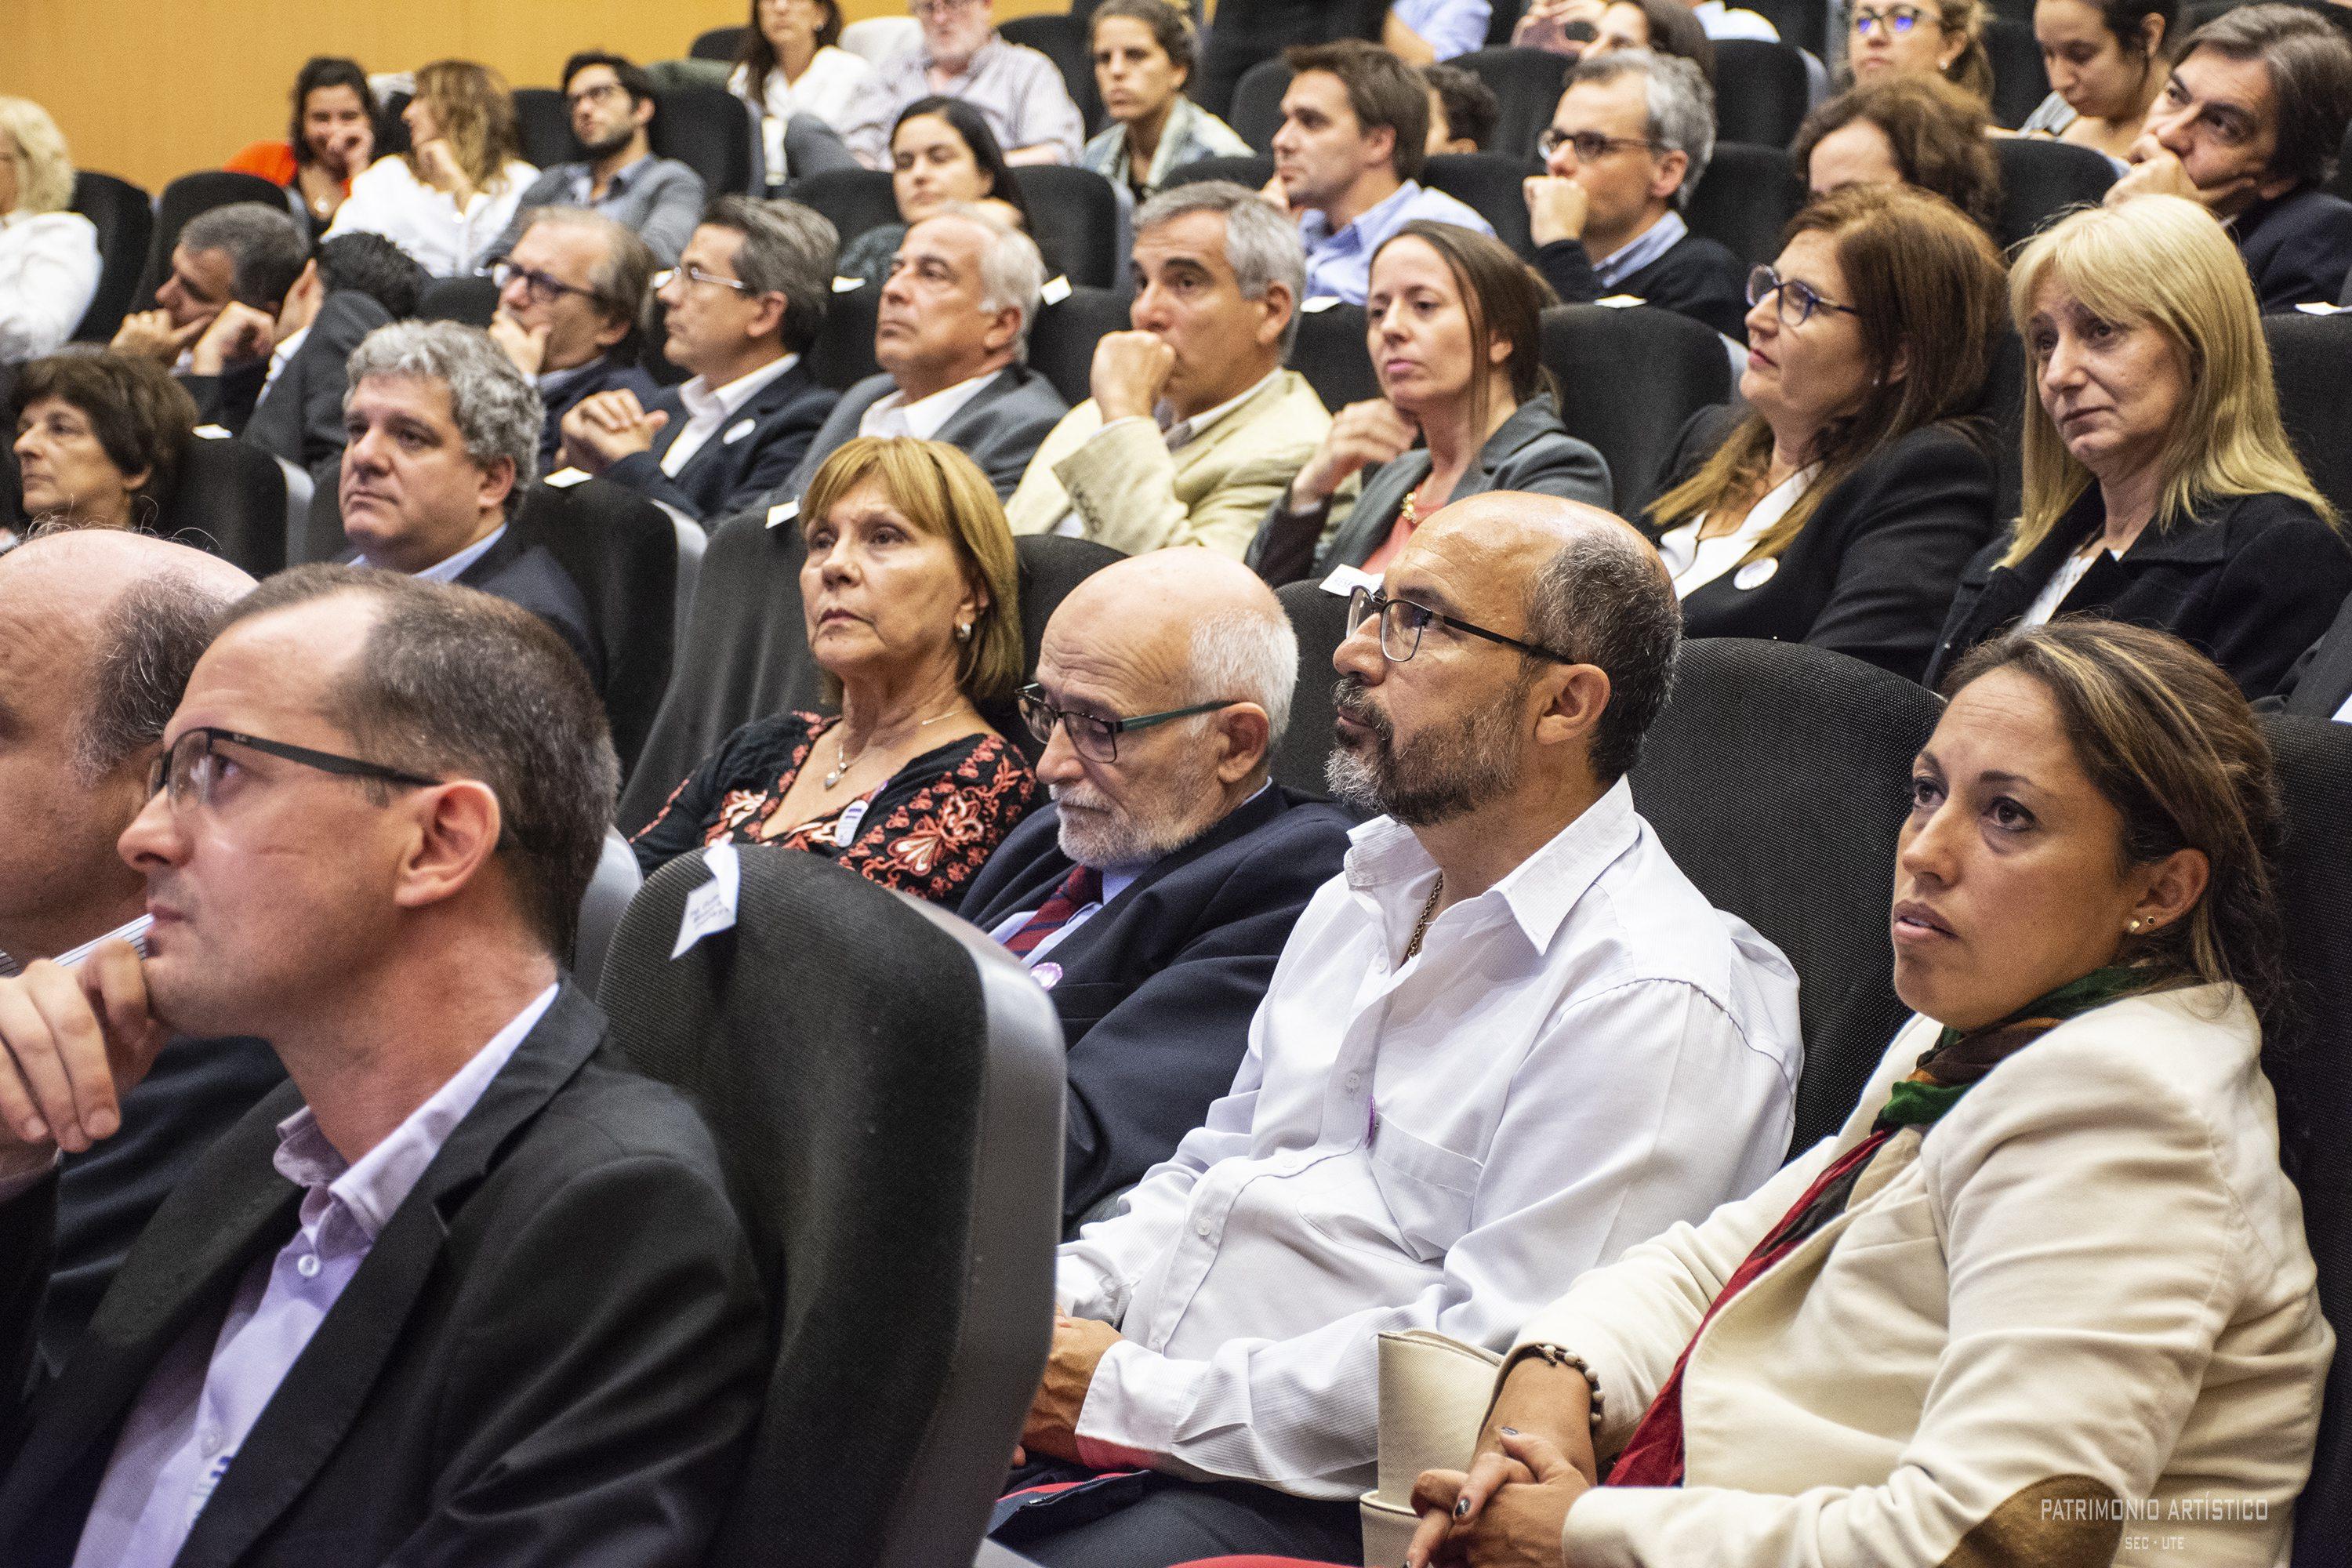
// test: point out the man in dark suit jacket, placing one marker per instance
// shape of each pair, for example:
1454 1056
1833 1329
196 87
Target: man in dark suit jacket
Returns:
950 332
98 632
1152 900
743 305
382 1320
2320 684
571 290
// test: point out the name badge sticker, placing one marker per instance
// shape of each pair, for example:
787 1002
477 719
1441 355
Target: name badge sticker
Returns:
1755 574
737 431
782 512
845 832
1047 975
711 906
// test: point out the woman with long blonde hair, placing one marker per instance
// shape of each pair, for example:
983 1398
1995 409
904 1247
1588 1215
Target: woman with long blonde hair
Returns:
453 192
2159 485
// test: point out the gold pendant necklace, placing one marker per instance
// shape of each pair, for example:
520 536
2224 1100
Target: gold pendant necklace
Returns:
1421 927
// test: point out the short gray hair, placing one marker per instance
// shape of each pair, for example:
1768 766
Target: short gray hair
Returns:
1680 105
496 407
1605 600
1262 246
264 244
788 249
622 277
147 645
1011 269
1245 655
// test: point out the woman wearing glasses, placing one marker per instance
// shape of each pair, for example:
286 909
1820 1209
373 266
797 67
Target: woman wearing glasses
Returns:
447 198
1935 38
908 597
1840 507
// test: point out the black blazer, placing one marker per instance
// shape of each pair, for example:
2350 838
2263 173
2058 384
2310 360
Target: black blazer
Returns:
2249 581
498 1383
603 373
754 452
2296 248
531 576
1696 277
2321 681
1158 986
301 417
1873 570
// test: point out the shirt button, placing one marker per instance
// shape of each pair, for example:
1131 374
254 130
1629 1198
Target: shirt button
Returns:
212 1441
307 1266
1201 1230
1355 1081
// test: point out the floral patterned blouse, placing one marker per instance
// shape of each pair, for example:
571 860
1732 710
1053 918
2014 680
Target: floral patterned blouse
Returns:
926 830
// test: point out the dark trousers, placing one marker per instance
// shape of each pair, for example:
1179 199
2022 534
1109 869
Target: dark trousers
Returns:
1183 1521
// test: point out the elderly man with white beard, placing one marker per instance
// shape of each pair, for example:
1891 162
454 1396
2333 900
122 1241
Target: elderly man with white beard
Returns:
1152 897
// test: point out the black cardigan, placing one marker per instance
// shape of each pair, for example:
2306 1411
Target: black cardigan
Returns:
2251 580
1873 570
1696 277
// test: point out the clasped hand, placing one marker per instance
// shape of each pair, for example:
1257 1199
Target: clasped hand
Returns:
1507 1512
602 430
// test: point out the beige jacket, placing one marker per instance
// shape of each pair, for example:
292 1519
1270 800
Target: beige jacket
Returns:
1133 494
2075 1323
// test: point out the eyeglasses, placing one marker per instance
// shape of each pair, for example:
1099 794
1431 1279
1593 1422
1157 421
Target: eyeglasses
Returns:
1589 144
926 9
602 92
1093 737
1896 19
1798 301
190 768
663 280
1403 622
542 289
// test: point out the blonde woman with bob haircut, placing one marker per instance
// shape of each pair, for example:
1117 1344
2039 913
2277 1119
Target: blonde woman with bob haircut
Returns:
909 596
453 192
2159 486
1839 507
49 256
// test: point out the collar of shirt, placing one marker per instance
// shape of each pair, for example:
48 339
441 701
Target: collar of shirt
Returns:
924 417
453 567
553 381
1181 432
1389 871
281 354
1652 243
584 180
1316 231
702 403
371 1190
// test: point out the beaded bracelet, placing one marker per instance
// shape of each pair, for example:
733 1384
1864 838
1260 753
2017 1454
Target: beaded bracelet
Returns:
1559 1357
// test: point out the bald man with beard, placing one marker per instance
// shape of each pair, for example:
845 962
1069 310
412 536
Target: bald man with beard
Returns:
98 630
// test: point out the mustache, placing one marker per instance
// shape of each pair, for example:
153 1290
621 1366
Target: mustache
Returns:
1086 798
1349 702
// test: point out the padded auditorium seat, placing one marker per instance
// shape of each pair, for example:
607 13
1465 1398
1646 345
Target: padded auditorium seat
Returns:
1074 219
1257 102
125 221
2311 362
231 503
467 300
716 44
543 123
1331 354
711 131
1761 91
1252 171
2040 179
615 883
1321 619
844 353
1062 341
1745 199
1526 84
853 200
1493 185
184 199
1631 419
2020 80
909 1276
1062 39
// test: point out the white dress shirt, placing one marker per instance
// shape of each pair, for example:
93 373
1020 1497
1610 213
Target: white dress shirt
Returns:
48 275
707 410
205 1395
841 88
444 239
1579 1057
1693 563
924 417
2048 602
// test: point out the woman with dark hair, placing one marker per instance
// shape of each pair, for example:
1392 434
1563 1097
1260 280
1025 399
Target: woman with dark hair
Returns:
1453 325
791 63
447 198
331 141
2106 64
99 439
1933 37
1660 26
942 153
1144 52
1908 131
1840 507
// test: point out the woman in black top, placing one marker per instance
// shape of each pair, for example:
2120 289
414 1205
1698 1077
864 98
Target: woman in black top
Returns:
2159 486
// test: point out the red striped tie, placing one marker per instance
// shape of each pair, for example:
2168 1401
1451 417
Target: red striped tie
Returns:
1082 887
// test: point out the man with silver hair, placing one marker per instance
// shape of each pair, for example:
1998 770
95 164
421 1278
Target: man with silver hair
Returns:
571 290
1195 429
247 253
1152 897
951 335
1625 149
441 441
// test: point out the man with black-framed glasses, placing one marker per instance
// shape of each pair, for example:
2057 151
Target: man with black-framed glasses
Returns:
571 291
610 102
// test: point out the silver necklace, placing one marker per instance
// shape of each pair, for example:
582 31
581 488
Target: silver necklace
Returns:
842 765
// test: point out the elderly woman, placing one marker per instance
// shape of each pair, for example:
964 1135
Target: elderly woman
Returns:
100 439
1453 325
1934 37
332 141
2159 486
49 256
2049 1272
908 597
456 189
1903 131
793 63
1840 508
2106 66
1144 52
942 153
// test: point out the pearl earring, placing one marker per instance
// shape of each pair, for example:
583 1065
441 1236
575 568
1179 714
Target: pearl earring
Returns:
963 631
2135 926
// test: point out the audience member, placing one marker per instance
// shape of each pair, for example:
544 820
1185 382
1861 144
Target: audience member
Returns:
951 333
611 105
1454 331
1193 427
1354 132
1660 26
942 153
245 254
379 805
793 63
48 255
441 444
1143 57
98 632
1625 149
447 199
2321 681
2250 125
1839 506
1250 34
1420 32
1152 897
1509 1041
100 439
329 143
1463 111
743 305
2106 63
1018 90
1937 37
2090 1012
570 292
1905 129
909 595
2159 485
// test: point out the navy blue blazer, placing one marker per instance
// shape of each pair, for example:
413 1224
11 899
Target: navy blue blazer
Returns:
603 373
755 451
531 576
2296 248
1158 988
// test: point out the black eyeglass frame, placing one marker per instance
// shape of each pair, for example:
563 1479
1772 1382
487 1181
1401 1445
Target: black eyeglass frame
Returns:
1553 137
1808 298
544 287
159 776
1366 602
1105 732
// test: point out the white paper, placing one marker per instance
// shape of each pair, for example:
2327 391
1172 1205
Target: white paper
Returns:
1344 580
782 512
711 906
214 432
564 478
1056 290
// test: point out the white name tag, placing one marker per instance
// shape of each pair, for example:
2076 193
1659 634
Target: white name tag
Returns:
711 906
214 432
782 512
1755 574
1344 580
1056 290
845 832
737 431
841 285
1320 303
564 478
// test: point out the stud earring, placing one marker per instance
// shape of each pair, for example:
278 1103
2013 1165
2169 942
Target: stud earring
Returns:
2133 927
963 631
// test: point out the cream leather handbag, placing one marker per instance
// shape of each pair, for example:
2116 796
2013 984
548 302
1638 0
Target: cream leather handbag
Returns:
1435 1393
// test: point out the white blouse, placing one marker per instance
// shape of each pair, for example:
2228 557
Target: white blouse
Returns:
48 275
840 88
1693 563
2062 582
387 199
